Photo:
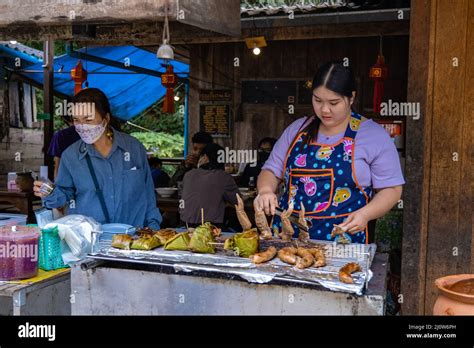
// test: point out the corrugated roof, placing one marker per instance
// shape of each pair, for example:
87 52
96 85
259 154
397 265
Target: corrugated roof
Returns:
34 54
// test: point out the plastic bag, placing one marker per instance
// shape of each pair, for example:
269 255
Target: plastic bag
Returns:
75 232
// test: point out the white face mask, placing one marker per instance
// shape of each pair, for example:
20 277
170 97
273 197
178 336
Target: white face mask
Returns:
90 133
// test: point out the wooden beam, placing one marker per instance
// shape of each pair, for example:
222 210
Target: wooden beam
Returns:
467 170
150 33
438 235
319 18
448 247
46 12
323 31
418 153
220 16
48 102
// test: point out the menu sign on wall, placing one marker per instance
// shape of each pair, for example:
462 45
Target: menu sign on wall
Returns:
212 95
215 119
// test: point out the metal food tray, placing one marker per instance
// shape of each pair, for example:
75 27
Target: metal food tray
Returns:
337 255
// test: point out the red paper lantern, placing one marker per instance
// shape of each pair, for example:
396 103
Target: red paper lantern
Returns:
169 80
78 75
378 73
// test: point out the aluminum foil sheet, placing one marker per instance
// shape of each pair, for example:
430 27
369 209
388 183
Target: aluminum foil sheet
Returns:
337 255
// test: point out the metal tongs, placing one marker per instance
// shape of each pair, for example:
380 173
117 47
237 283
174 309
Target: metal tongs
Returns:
294 219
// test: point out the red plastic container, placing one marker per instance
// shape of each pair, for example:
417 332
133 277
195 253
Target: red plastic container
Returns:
19 252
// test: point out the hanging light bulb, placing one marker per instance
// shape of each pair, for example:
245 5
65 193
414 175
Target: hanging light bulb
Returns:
255 44
176 98
165 51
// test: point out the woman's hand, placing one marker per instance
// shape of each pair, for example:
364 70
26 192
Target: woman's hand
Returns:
266 201
36 189
355 222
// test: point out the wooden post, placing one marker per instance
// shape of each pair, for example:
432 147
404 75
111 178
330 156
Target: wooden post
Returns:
48 103
437 233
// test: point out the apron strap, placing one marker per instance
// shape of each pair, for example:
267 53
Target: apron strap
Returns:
353 126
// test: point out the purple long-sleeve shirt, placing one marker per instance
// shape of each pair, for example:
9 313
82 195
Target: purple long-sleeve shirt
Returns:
377 163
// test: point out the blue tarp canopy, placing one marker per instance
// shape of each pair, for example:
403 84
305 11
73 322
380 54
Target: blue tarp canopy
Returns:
129 92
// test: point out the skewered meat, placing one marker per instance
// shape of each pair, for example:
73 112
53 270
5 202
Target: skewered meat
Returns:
241 214
346 271
288 255
264 256
337 230
303 235
287 230
305 259
262 222
340 234
319 257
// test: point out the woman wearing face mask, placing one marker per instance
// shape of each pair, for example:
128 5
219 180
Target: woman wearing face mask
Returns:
332 163
208 187
105 174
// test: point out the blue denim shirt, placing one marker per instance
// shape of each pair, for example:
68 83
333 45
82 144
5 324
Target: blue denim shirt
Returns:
124 177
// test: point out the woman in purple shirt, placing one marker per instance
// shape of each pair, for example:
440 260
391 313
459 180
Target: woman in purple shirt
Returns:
342 167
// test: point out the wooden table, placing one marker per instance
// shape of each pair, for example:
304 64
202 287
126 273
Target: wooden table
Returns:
23 201
49 295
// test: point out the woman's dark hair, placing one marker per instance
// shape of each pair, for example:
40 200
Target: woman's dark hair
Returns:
100 101
335 77
202 138
212 152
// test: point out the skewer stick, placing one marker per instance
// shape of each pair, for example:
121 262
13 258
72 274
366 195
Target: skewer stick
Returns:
202 216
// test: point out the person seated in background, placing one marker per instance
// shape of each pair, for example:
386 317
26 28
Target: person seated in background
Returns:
160 178
61 140
199 141
265 147
208 187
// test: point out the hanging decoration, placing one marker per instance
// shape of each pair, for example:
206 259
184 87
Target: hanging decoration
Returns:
79 76
378 73
169 80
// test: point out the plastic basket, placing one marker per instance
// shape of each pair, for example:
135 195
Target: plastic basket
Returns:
50 256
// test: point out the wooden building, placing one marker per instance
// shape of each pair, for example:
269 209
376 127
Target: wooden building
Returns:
428 48
430 57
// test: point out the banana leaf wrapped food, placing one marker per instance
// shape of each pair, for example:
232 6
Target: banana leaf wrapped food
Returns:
243 244
122 241
178 242
202 238
165 235
146 243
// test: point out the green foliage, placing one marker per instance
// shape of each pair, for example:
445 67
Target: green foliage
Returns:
389 231
161 144
153 119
